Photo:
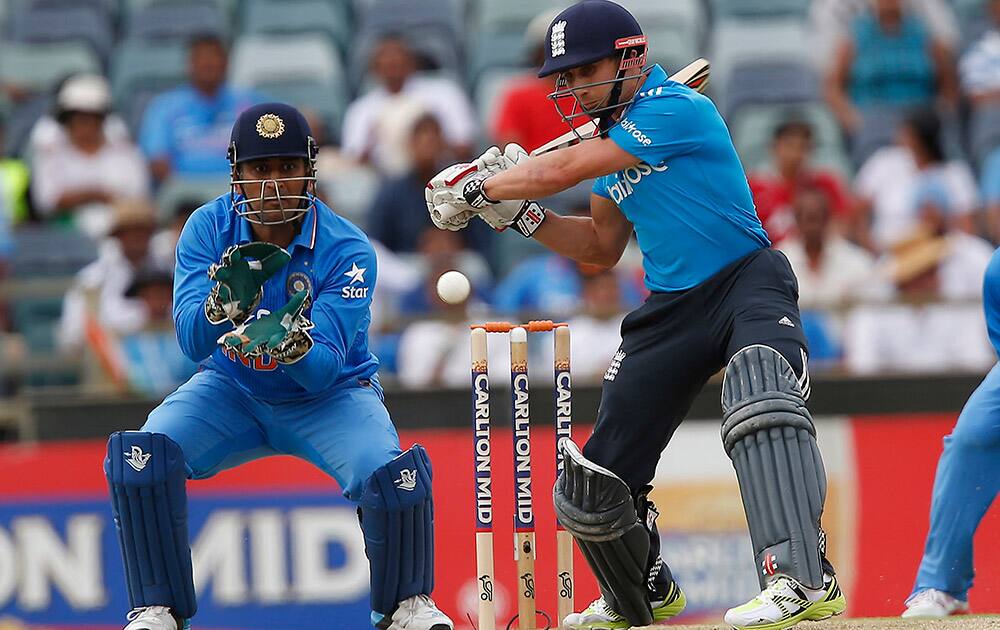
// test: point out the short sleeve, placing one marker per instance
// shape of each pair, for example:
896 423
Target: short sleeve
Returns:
656 129
154 136
991 179
600 189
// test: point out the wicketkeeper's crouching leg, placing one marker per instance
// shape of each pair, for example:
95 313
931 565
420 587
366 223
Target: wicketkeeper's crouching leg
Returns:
397 518
146 475
770 437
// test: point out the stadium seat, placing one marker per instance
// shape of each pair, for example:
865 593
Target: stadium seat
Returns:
752 128
20 121
329 101
63 24
349 189
176 20
486 95
260 59
38 67
767 40
284 17
744 9
984 132
878 129
176 191
406 16
771 82
500 51
49 251
141 69
510 16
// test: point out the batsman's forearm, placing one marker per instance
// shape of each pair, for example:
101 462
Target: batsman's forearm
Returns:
538 177
576 238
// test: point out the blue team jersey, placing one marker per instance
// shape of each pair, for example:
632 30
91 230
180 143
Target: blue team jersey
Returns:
331 258
688 199
991 300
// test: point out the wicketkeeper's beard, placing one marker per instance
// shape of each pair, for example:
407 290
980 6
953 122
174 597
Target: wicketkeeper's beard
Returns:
263 202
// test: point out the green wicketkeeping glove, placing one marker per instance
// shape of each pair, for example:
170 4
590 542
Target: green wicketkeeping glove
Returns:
282 334
240 277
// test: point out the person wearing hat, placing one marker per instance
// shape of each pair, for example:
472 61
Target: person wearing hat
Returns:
664 166
272 294
80 172
100 289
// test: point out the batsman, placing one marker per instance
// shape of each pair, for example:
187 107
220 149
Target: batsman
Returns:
271 295
664 166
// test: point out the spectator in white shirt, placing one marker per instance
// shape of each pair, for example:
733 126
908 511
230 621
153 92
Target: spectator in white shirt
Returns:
830 269
888 182
98 294
979 67
596 332
82 172
376 124
937 324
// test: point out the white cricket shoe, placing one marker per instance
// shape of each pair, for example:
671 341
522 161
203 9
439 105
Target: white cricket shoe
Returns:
785 602
417 613
934 603
600 616
154 618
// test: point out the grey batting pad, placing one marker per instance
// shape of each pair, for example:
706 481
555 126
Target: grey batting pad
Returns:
769 435
596 507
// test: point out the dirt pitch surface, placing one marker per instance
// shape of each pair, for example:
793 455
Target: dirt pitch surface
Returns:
961 622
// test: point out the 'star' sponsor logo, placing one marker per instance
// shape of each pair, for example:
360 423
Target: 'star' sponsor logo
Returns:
351 292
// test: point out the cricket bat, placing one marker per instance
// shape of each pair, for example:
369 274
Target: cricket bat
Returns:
694 75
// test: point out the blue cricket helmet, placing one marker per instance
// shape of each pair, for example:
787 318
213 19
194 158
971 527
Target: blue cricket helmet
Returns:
585 33
271 130
589 31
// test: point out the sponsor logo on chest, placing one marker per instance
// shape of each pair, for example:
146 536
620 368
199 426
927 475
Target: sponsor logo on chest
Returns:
627 179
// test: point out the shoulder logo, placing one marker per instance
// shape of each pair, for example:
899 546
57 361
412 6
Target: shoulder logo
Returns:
357 275
557 40
407 480
137 459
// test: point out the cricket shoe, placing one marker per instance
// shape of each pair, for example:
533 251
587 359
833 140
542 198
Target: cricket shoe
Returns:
600 616
155 618
416 613
785 602
934 603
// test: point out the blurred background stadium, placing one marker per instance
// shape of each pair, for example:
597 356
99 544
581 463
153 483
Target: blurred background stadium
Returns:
869 130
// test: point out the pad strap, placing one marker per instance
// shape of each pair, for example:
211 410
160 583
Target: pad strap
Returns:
397 518
770 437
596 507
146 475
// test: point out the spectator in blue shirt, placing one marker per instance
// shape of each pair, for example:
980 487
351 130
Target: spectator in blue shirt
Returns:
990 185
185 131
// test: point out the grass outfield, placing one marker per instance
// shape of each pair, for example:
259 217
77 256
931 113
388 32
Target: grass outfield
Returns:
960 622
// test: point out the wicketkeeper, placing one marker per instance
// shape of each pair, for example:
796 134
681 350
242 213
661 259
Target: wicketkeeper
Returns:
664 167
271 294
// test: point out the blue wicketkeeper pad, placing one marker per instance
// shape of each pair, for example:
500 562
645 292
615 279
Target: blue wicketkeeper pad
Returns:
397 517
146 476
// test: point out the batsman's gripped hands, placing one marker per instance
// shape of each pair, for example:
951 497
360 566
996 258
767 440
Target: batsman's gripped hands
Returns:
283 334
455 195
240 277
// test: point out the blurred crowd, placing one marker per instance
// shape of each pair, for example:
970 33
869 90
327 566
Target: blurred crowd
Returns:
869 129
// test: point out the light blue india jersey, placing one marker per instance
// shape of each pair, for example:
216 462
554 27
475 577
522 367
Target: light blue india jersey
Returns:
688 199
331 258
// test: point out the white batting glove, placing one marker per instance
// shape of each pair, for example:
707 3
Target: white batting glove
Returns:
447 209
525 216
